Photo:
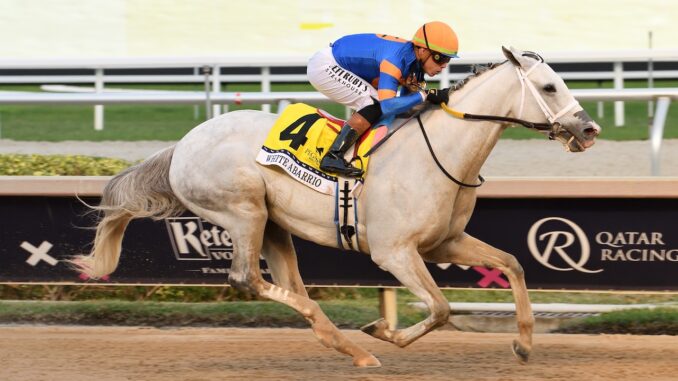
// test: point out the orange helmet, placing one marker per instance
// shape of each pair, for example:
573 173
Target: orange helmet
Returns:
437 36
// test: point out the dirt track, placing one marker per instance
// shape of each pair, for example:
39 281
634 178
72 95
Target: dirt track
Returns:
208 354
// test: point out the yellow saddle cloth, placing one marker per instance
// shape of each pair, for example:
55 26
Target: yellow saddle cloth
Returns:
299 139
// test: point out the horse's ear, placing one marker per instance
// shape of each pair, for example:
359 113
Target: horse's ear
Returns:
509 55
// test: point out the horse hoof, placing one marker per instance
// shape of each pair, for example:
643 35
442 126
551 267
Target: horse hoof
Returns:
367 362
521 352
377 329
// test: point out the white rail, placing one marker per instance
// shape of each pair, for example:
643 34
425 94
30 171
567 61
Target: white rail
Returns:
196 97
183 97
542 307
662 96
295 78
267 64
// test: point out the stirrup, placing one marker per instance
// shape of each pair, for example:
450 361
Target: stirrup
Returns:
333 164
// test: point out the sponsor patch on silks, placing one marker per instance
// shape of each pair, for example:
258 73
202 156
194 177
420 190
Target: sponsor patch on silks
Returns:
299 139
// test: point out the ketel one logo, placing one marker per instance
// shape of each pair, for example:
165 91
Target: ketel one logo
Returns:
196 240
560 242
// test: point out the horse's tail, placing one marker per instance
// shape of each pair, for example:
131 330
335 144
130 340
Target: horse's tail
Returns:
139 191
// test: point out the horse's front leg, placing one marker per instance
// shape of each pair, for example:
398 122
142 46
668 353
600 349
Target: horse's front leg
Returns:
469 251
406 265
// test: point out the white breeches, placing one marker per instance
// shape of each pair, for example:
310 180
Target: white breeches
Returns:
337 83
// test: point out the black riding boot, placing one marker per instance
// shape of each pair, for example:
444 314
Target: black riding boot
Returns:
334 161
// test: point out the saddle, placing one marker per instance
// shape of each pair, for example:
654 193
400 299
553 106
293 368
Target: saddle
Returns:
297 142
300 137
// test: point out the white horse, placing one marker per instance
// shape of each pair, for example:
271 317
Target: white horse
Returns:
410 212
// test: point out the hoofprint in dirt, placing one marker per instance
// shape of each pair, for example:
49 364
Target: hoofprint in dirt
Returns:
531 158
75 353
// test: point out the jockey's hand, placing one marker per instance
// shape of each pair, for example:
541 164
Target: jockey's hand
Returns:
438 96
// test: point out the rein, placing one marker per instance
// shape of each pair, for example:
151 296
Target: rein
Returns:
430 149
440 166
496 118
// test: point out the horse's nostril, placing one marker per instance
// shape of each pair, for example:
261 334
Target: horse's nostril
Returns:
592 131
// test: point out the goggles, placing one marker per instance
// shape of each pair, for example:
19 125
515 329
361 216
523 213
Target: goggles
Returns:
439 58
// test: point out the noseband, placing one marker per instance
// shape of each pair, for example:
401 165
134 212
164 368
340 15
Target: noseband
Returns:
552 117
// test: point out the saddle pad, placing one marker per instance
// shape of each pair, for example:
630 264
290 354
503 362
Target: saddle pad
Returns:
300 137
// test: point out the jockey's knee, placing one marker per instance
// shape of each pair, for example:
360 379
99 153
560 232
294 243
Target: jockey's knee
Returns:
371 113
364 118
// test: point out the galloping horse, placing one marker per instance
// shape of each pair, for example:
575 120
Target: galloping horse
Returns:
410 212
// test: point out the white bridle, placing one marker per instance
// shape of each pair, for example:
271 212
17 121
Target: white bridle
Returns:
524 82
553 126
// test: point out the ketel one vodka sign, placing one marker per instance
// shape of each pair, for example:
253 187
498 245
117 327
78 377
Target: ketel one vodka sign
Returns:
209 246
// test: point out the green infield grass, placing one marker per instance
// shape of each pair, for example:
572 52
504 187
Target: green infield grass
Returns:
171 122
347 312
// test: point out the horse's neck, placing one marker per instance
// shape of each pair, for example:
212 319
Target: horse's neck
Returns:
470 142
489 93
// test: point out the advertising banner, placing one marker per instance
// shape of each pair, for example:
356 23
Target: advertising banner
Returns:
601 244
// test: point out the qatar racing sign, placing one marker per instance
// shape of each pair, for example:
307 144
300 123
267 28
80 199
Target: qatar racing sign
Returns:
562 244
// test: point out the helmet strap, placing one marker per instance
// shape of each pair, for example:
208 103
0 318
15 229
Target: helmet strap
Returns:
422 59
426 38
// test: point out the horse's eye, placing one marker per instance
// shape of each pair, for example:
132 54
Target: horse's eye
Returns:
550 88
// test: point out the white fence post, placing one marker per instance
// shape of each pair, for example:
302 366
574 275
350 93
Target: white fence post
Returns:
282 104
266 86
445 78
618 85
600 104
388 306
216 87
99 109
657 132
207 71
196 108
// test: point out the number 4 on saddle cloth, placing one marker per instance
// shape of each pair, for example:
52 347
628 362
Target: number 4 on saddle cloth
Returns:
301 136
297 142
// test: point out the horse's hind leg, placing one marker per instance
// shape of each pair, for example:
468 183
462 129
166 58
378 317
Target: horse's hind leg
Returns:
278 250
470 251
408 267
247 232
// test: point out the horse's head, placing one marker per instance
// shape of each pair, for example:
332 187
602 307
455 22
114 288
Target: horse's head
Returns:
544 96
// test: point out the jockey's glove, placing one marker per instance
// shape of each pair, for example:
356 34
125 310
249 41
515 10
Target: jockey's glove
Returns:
438 96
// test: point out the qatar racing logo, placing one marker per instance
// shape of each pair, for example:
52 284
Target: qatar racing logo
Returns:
563 247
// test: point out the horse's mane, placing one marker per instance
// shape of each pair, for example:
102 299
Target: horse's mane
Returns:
476 70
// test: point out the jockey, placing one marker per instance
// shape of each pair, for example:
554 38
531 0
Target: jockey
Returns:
364 71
